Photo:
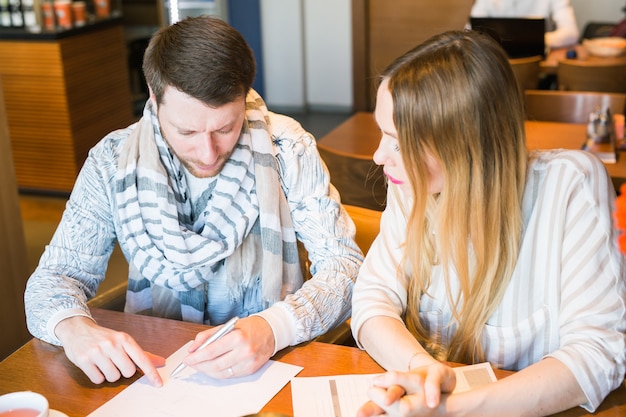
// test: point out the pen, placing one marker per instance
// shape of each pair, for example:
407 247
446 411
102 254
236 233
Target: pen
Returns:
227 327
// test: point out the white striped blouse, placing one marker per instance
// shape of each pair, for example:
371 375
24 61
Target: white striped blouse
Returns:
567 296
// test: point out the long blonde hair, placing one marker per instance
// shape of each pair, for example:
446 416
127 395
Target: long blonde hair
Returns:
455 97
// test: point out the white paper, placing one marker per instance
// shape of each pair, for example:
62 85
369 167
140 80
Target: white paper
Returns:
342 395
192 393
329 396
473 376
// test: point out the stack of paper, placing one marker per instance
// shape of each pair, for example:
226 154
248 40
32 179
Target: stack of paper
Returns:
192 393
342 395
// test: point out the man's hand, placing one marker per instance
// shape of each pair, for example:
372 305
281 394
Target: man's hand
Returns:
105 354
240 352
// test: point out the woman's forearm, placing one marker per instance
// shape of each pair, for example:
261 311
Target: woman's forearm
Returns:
544 388
388 341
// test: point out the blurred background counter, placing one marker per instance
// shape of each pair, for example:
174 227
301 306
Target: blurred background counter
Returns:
64 89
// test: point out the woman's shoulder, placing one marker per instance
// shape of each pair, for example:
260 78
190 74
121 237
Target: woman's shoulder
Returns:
574 161
560 170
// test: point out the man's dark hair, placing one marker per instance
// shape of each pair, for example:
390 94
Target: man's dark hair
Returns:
203 57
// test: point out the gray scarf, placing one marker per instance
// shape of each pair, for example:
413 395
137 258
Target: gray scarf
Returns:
245 226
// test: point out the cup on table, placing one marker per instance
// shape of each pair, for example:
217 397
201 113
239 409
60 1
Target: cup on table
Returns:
103 8
23 404
79 12
618 119
63 13
47 11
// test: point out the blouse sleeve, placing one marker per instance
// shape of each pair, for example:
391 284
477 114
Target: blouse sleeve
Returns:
379 290
591 285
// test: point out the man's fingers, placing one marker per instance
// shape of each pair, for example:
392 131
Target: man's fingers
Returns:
157 361
144 361
93 373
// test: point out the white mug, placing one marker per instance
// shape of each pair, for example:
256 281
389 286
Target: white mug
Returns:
23 404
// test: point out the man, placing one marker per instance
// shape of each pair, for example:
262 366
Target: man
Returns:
207 196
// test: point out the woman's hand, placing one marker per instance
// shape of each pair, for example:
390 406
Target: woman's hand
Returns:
414 393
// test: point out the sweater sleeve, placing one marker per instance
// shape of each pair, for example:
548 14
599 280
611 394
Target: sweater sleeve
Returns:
74 263
324 228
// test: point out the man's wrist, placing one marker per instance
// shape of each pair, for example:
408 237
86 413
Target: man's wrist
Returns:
282 326
65 327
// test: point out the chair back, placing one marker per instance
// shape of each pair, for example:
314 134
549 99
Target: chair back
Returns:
526 71
597 30
367 223
606 75
570 106
360 182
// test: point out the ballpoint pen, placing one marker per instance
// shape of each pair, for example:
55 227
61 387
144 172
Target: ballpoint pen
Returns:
227 327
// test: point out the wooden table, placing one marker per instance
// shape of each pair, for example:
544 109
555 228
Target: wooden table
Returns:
358 137
550 64
44 368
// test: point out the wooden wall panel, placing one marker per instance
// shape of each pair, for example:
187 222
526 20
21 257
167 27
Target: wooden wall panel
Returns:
97 69
62 96
30 58
389 30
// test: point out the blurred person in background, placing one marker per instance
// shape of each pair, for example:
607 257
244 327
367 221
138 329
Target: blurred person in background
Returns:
562 30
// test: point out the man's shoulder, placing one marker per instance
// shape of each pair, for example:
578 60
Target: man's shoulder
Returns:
108 147
289 137
286 127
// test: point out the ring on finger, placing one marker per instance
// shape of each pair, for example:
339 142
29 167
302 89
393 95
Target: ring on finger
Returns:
231 372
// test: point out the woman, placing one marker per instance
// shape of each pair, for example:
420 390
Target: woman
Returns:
486 252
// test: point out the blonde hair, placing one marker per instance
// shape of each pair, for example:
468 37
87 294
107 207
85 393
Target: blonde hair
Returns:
455 98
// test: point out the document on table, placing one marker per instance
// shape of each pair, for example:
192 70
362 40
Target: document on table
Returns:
192 393
342 395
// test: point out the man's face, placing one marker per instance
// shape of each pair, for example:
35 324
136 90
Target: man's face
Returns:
202 137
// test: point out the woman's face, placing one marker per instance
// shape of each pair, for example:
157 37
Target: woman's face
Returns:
388 152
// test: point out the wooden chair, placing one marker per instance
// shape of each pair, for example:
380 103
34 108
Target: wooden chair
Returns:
359 180
570 106
597 30
606 75
526 71
367 224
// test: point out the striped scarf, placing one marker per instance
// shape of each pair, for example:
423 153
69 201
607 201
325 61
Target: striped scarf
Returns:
245 227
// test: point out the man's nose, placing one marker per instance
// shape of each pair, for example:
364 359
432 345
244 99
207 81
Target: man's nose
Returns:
207 150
